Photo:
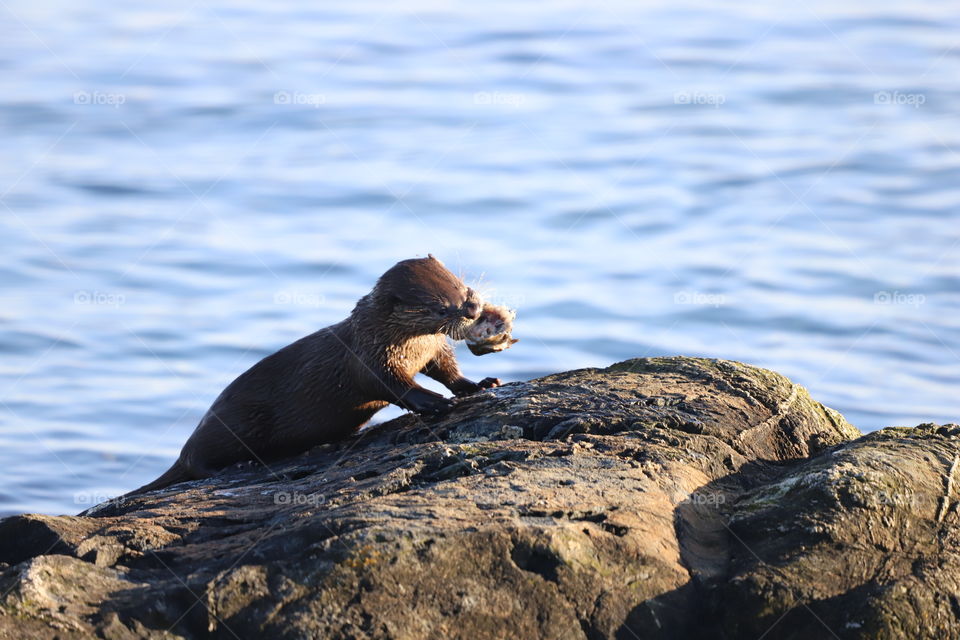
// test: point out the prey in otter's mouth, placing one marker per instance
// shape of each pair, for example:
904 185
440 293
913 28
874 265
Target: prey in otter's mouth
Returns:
491 332
328 384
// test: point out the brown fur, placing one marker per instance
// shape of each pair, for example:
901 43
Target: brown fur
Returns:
328 384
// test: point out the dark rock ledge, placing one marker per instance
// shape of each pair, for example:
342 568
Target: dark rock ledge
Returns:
657 498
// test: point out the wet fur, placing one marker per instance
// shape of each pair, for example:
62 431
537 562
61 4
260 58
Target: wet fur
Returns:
328 384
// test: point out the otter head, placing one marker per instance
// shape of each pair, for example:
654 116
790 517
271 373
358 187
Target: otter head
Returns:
423 297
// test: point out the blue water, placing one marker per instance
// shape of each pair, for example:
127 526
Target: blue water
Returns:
190 186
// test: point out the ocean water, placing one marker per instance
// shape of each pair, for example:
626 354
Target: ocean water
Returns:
186 188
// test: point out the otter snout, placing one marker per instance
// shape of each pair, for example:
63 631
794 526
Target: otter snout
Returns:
471 310
472 307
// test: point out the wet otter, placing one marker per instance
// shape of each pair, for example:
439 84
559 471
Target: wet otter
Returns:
327 385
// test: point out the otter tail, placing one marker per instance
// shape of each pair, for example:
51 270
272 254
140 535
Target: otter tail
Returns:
173 475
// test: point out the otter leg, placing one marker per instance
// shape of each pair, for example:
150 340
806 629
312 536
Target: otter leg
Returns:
445 370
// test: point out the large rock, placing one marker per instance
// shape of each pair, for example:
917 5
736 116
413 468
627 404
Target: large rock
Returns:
658 498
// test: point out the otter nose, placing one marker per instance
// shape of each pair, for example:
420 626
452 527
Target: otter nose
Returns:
471 310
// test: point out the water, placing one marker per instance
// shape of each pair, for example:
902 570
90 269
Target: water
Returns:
187 188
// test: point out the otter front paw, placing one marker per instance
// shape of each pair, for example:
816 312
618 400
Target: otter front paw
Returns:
489 383
425 402
433 407
466 387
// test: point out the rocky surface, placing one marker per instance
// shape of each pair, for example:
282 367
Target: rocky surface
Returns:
658 498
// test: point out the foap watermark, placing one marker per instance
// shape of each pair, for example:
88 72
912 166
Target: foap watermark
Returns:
700 298
95 496
704 498
99 298
899 298
499 98
99 98
299 498
899 98
299 298
315 100
505 299
699 98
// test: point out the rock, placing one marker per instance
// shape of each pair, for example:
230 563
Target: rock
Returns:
657 498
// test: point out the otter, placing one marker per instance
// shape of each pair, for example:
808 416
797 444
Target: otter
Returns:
327 385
